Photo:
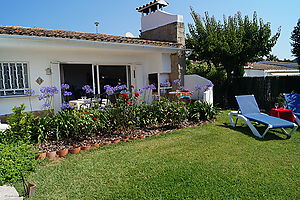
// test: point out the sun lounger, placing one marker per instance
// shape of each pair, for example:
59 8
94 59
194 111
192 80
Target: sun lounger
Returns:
293 103
249 112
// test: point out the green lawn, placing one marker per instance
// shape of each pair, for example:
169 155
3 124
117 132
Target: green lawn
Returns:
212 161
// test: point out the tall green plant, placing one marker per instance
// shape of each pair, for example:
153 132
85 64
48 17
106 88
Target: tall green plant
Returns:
295 37
230 44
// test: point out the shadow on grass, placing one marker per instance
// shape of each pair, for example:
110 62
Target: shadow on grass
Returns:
244 129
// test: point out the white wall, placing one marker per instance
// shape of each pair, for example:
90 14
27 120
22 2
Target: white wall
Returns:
190 81
41 55
157 19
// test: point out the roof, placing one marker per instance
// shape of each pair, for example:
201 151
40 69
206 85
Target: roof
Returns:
51 33
266 65
162 2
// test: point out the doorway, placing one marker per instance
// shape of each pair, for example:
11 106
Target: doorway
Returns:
96 76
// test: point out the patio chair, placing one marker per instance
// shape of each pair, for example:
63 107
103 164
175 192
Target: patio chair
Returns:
293 103
249 112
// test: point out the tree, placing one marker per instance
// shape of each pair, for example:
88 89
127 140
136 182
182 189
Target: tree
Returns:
231 44
296 41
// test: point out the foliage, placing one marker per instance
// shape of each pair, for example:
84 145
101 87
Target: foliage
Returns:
21 125
212 161
166 111
16 159
210 72
201 110
231 44
296 41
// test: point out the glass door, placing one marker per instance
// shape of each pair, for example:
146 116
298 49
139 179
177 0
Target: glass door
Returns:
112 75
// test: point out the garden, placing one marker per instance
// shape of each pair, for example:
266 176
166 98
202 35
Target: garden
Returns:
30 139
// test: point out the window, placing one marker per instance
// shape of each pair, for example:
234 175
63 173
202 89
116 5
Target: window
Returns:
13 78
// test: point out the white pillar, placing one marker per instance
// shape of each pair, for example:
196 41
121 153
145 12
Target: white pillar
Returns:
55 81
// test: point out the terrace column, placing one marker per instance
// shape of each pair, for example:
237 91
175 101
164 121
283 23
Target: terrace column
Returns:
55 81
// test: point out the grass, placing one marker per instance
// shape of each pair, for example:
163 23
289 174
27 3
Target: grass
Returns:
212 161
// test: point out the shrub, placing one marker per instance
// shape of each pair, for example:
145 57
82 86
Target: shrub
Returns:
16 160
22 125
170 112
201 110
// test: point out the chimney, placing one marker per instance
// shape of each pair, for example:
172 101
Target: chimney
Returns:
156 24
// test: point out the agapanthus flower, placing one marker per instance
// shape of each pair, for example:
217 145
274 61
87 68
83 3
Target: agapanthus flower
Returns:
65 105
66 93
87 101
165 84
151 86
65 86
49 91
177 81
46 105
29 92
87 89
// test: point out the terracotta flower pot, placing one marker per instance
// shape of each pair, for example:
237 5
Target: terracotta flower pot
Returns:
106 143
116 141
133 138
62 153
125 139
51 155
142 136
157 133
41 156
74 150
95 145
31 189
84 148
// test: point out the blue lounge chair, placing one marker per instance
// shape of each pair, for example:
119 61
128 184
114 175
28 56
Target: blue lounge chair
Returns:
293 103
249 112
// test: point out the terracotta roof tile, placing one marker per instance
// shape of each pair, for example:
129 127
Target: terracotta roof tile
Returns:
51 33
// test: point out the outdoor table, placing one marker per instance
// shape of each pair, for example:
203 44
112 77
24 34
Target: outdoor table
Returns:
282 113
179 95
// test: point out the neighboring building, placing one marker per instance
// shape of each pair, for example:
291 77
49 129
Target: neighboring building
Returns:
37 57
270 68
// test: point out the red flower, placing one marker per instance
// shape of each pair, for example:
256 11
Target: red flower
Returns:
131 86
126 96
87 113
129 102
95 119
136 94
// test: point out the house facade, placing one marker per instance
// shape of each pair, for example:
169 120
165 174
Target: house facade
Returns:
271 68
32 58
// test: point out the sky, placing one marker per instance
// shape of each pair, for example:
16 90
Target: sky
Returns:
117 17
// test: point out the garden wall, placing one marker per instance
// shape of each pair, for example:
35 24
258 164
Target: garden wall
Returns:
265 89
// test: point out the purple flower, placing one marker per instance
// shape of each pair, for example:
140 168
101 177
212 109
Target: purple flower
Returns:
49 91
65 86
151 86
65 105
87 89
29 92
87 101
177 81
165 84
46 105
66 93
199 87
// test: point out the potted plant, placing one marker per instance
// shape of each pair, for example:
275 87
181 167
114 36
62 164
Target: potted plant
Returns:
74 149
51 155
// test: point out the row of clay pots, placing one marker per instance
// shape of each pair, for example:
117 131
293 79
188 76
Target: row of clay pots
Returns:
75 150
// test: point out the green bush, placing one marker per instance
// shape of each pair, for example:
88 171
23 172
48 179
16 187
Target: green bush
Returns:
16 159
201 110
21 126
167 111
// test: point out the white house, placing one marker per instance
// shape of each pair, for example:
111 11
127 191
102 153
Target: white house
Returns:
35 57
271 68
